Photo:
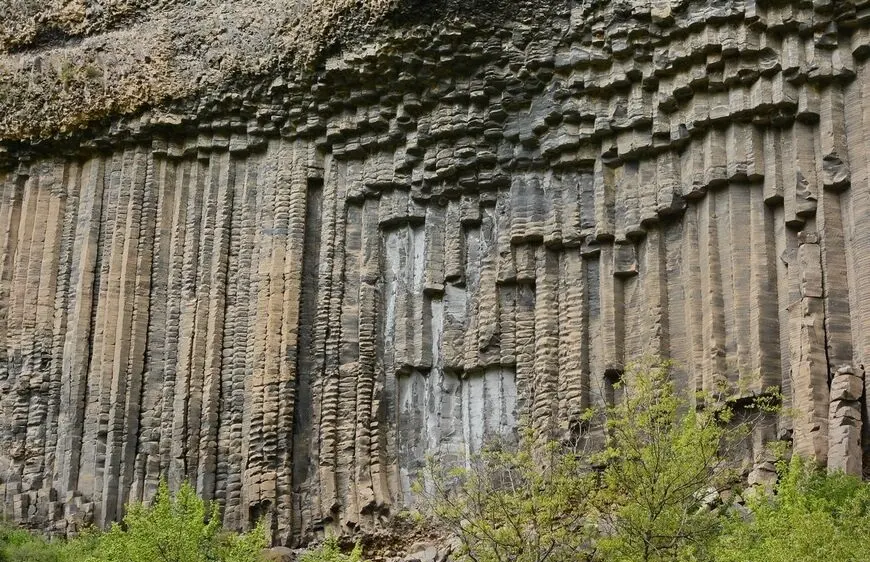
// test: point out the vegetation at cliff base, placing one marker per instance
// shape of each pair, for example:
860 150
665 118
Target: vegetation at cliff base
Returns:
178 527
812 516
330 551
655 477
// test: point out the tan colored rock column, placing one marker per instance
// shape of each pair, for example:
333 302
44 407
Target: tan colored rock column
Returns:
809 371
844 421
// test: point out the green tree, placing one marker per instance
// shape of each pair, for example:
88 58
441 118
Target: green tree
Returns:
668 456
656 495
175 528
810 516
529 503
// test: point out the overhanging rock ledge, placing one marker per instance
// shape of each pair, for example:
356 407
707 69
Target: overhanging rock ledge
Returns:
290 285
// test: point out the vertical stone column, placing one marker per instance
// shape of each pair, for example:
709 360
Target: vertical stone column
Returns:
844 421
809 370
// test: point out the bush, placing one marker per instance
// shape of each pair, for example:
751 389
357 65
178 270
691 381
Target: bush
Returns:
653 496
330 551
17 545
811 516
524 504
666 462
174 528
177 528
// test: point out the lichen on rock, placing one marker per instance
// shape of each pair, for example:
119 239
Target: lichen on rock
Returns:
285 250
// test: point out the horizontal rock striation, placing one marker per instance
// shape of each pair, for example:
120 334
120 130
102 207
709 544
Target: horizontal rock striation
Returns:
291 297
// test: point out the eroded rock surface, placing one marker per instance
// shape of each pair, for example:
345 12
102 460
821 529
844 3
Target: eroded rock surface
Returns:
291 294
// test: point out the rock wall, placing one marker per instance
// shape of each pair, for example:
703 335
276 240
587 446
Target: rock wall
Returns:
290 294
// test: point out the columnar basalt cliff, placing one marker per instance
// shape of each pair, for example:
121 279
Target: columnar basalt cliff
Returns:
290 287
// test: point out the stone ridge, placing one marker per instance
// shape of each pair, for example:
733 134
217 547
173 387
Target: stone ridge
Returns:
67 64
165 51
291 294
29 24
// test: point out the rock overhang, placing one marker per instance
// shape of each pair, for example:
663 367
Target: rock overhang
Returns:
422 239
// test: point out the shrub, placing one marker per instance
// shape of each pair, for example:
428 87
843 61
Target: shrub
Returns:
330 551
653 496
666 462
17 545
176 528
810 516
520 504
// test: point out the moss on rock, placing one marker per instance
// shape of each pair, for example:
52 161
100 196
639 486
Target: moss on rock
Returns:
52 84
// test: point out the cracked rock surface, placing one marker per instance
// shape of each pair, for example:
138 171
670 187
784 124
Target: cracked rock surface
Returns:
291 286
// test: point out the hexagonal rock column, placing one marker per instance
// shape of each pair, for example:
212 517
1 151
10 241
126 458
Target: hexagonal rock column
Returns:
844 421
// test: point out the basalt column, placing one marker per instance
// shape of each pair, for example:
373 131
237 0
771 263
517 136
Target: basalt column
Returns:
292 292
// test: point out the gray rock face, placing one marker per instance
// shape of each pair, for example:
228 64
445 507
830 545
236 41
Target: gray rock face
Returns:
279 554
291 297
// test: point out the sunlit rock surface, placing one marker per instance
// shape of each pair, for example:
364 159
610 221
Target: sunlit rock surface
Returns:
291 293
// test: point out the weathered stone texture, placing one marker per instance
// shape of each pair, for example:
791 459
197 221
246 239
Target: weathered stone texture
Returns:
291 298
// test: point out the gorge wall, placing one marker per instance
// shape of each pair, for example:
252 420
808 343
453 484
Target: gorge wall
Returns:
291 290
